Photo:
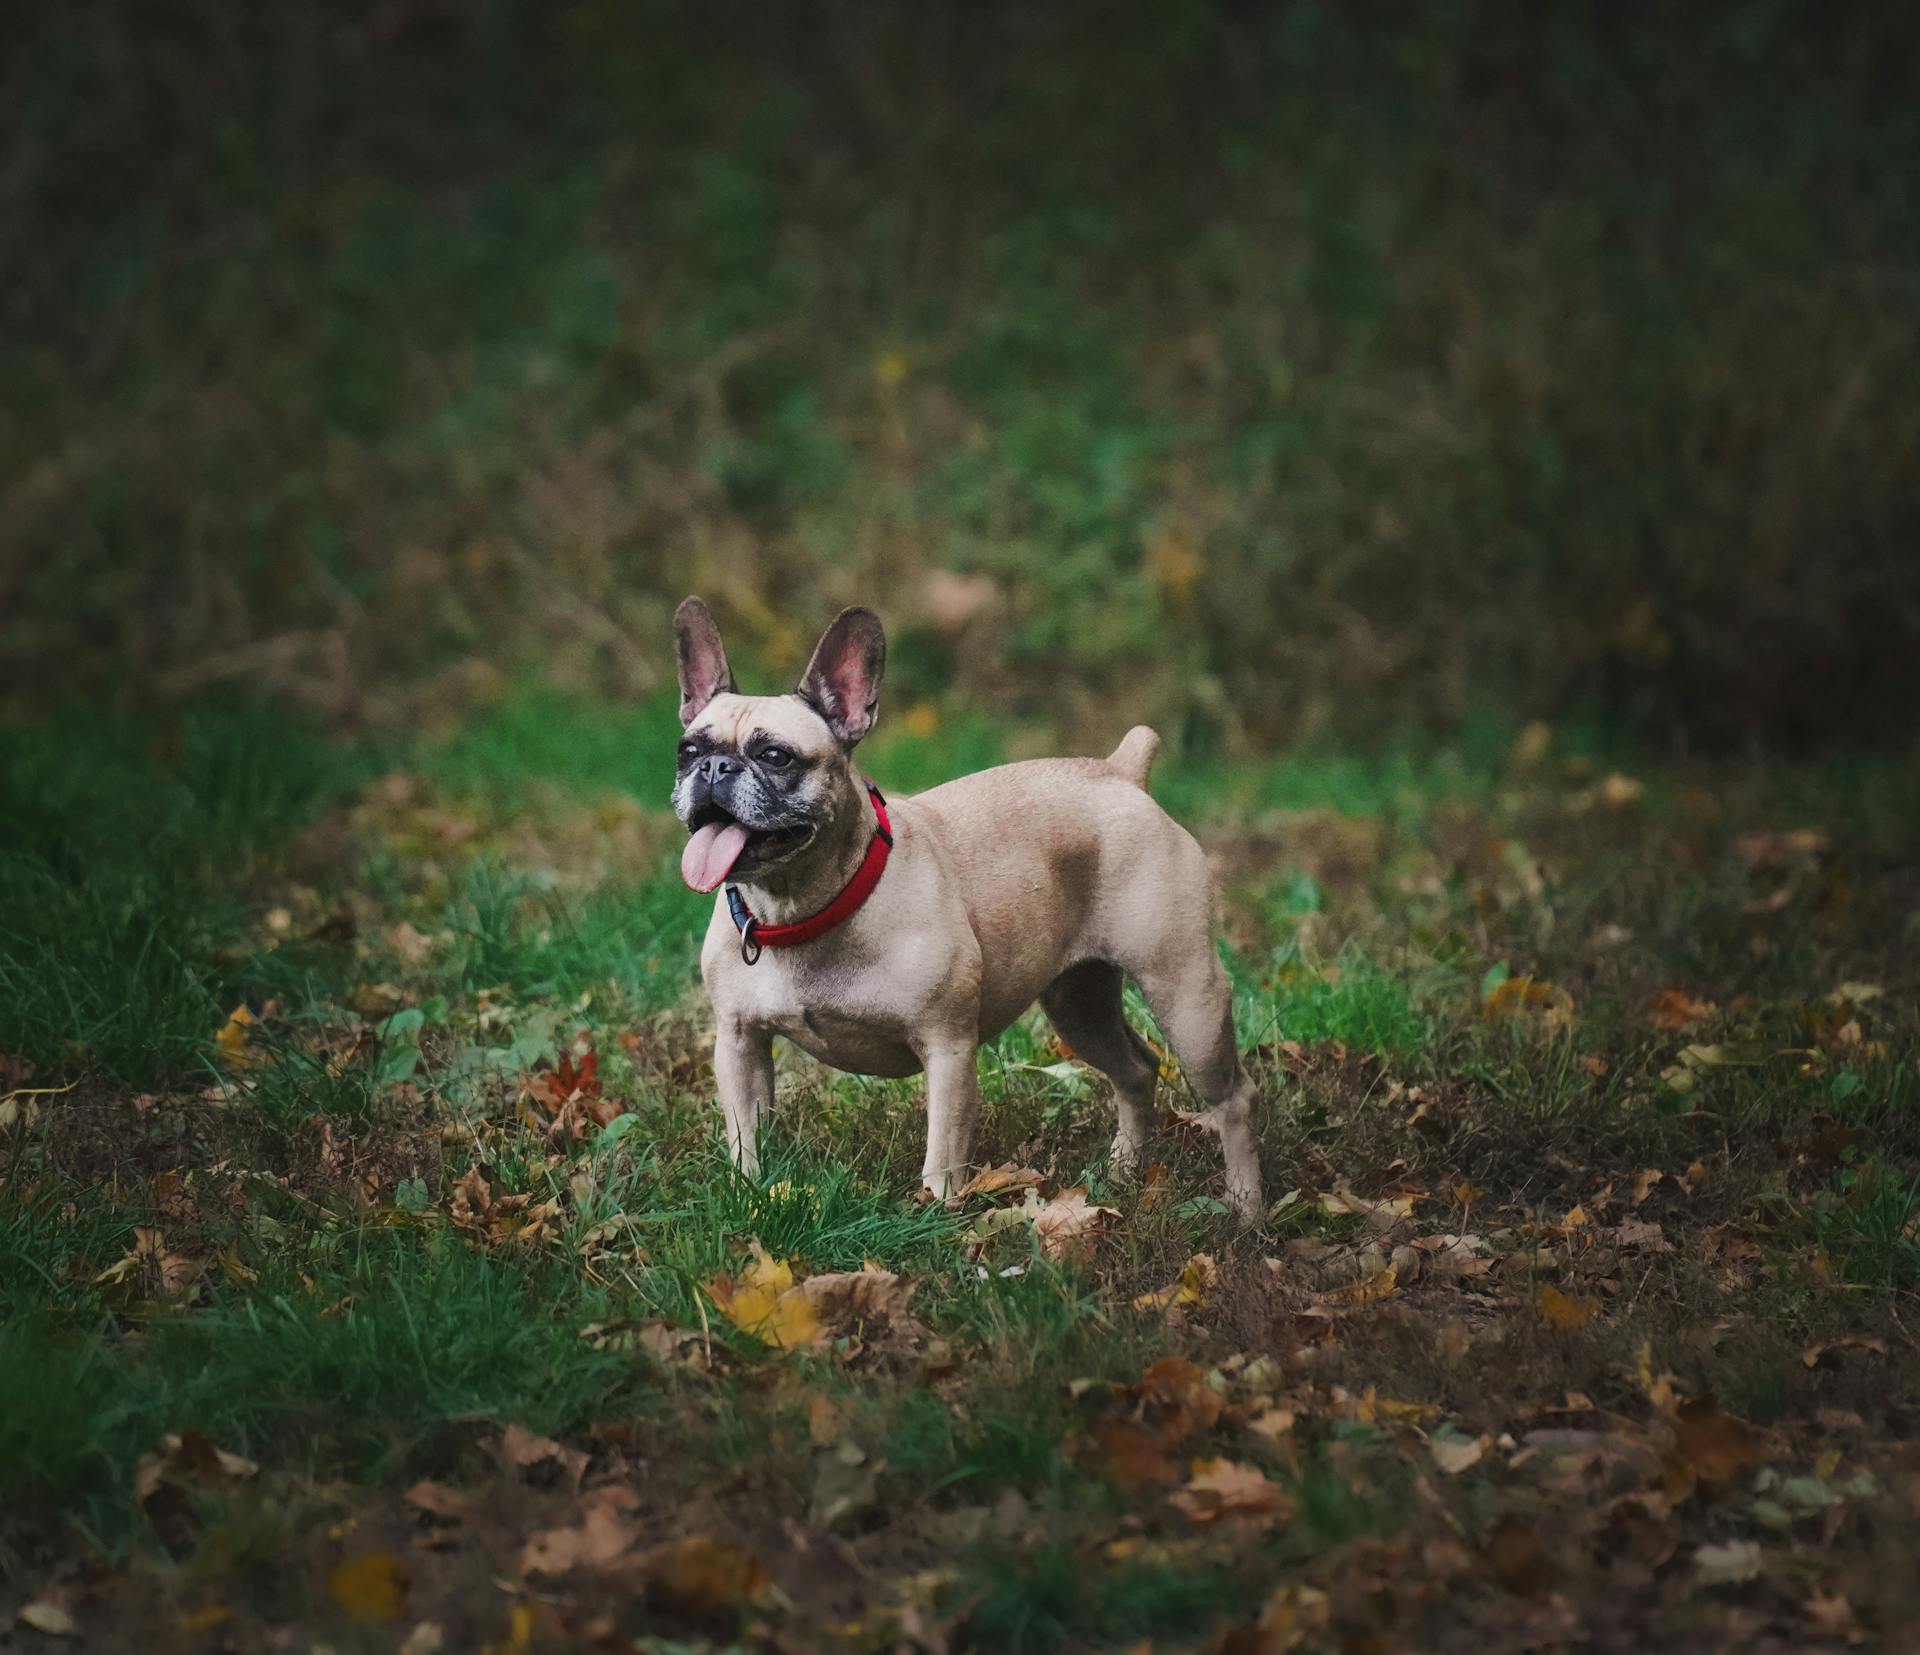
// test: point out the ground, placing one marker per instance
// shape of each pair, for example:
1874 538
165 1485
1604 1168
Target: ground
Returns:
372 1277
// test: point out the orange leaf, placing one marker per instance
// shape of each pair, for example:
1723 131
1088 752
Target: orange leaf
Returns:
1562 1310
371 1587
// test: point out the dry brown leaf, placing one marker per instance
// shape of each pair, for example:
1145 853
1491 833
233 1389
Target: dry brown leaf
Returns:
1518 1560
521 1450
152 1269
826 1421
699 1575
1563 1310
1225 1488
1069 1226
600 1535
186 1458
450 1505
1675 1009
1814 1355
1006 1176
1518 996
1717 1446
371 1588
1643 1182
1131 1455
866 1296
1191 1286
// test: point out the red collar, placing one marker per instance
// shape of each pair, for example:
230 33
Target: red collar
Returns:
754 935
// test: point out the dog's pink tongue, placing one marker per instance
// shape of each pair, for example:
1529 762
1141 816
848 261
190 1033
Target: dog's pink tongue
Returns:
711 854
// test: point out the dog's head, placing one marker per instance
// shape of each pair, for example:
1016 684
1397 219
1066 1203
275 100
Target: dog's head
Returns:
762 777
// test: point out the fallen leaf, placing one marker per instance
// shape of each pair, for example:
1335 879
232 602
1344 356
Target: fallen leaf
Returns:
699 1575
1367 1290
1069 1225
766 1302
1177 1400
1518 1560
1731 1564
1006 1176
371 1587
1563 1310
1454 1455
1131 1455
600 1534
826 1421
1643 1182
1189 1287
867 1297
1674 1008
233 1038
1717 1446
187 1458
521 1450
1517 996
1697 1177
1382 1213
1833 1617
152 1268
1813 1355
1224 1488
450 1505
48 1617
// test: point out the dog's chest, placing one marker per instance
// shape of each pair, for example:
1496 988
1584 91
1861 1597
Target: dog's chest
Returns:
840 1022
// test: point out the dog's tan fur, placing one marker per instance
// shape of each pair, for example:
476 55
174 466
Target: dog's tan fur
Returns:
1049 880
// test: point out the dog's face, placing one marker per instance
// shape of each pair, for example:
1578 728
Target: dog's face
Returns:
760 777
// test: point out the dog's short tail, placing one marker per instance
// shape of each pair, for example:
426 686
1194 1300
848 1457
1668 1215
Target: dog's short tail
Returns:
1133 758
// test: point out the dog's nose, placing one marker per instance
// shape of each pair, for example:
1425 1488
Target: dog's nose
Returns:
716 765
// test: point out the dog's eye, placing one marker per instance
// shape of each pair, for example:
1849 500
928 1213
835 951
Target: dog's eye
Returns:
689 749
776 758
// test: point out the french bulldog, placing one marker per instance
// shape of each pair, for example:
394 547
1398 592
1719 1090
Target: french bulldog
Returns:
894 936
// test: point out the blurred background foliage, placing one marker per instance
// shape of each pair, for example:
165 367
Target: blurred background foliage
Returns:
1279 373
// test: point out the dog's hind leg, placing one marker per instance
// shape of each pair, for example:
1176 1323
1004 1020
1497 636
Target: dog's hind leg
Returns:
1084 1005
1193 1002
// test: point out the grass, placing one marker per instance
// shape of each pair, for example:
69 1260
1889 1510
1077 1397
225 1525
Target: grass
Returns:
270 1249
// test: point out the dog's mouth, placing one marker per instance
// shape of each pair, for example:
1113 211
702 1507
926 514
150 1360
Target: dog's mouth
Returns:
718 841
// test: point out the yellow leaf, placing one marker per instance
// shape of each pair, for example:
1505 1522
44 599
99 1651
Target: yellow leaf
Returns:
767 1303
1189 1287
371 1587
1466 1192
233 1037
1563 1310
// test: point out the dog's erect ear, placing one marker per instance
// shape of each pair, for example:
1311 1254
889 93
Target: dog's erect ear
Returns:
704 672
842 682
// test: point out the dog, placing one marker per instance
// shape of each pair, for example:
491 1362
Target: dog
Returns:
895 936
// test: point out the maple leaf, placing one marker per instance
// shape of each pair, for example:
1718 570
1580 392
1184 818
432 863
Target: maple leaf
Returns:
1564 1310
766 1302
1069 1226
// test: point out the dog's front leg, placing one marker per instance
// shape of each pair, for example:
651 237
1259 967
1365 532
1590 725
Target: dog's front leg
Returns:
743 1075
953 1100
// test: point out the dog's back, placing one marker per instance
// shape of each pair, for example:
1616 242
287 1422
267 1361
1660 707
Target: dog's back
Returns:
1059 859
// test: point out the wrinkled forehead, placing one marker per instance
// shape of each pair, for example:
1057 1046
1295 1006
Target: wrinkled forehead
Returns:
728 720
